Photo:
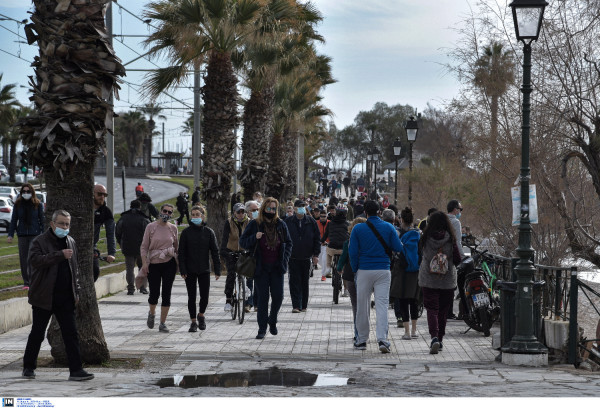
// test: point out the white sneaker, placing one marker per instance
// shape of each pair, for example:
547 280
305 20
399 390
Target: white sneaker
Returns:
227 307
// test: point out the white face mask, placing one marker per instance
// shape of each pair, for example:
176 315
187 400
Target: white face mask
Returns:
26 196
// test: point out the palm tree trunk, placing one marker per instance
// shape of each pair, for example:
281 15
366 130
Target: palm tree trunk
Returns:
218 127
258 117
12 158
77 201
291 162
276 176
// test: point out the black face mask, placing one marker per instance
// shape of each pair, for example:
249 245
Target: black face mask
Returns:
269 215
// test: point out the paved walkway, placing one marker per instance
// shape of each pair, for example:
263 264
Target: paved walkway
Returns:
318 341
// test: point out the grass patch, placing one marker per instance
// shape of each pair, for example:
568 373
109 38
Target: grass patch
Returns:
12 295
9 280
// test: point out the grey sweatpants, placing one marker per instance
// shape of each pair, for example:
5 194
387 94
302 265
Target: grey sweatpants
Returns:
366 282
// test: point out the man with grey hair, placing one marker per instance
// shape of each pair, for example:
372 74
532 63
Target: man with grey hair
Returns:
252 208
54 290
388 216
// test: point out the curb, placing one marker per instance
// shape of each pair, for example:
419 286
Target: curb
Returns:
16 313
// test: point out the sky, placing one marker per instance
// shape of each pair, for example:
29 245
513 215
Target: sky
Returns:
389 51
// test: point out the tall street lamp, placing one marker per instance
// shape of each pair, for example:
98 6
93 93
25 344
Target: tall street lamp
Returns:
397 151
524 349
369 164
412 128
375 160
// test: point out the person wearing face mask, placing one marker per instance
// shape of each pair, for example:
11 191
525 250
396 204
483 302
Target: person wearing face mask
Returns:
252 208
28 222
454 208
159 263
306 248
196 243
268 236
54 291
232 230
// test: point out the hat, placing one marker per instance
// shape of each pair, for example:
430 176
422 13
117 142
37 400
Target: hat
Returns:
145 198
299 203
238 206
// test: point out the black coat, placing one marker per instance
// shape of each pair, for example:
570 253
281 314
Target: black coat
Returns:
337 231
305 240
195 243
130 231
248 241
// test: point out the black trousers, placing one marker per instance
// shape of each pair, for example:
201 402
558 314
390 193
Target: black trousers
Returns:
181 214
230 281
65 315
203 282
96 268
299 270
406 308
165 273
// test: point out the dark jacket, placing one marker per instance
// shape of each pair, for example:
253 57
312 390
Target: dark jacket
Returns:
194 244
149 210
182 204
130 231
248 241
17 222
337 231
305 237
103 215
344 264
44 258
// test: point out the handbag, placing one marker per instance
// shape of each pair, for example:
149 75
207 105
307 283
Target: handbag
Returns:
246 264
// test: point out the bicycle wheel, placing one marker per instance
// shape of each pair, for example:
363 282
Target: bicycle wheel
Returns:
241 299
234 302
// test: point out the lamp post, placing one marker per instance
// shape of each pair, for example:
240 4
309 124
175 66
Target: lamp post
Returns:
375 160
397 150
524 349
412 128
369 164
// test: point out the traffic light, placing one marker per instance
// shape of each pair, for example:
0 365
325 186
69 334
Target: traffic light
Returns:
24 162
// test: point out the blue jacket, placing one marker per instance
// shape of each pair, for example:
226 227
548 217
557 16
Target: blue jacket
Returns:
17 221
248 241
305 240
365 250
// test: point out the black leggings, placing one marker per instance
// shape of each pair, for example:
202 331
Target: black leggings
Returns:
204 284
164 272
403 306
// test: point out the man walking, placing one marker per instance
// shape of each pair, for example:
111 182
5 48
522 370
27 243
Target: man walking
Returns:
139 189
182 207
306 248
54 290
103 216
454 208
130 233
370 250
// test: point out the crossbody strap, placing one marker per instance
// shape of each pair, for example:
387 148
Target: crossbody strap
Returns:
387 249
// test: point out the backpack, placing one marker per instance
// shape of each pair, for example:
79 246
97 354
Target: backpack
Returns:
439 263
410 249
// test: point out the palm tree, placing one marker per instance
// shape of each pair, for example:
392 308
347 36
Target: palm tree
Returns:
133 128
7 119
75 73
277 53
191 32
494 71
152 110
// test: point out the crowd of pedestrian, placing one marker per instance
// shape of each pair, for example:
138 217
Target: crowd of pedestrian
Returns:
386 257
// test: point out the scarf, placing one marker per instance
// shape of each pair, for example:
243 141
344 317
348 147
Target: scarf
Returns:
271 233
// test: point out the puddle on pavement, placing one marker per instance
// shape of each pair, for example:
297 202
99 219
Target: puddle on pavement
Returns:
253 378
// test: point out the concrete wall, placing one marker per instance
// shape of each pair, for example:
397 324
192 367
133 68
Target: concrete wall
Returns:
15 313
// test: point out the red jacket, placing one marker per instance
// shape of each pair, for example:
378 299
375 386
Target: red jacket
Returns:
322 228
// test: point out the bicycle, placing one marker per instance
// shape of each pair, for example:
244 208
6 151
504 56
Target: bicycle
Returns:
239 296
336 278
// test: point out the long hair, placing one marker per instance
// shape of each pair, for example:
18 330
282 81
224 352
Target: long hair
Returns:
267 201
35 201
355 222
437 221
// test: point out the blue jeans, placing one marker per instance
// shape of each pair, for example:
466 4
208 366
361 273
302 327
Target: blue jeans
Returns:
269 281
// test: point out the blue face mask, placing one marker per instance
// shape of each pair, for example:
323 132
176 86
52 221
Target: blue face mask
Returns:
61 233
254 214
301 210
196 221
458 216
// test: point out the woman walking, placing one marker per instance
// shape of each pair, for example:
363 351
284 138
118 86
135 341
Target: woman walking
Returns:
437 274
348 274
159 261
270 240
405 286
28 221
195 243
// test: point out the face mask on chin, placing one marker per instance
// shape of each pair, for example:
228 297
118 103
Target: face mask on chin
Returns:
458 216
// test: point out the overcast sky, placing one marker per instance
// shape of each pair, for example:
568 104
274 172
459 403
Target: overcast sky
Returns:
383 50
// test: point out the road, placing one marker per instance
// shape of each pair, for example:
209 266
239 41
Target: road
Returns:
158 190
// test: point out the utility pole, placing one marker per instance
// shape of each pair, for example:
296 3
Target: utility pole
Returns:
110 140
197 138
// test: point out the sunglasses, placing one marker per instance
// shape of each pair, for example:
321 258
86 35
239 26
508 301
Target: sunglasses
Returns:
25 191
240 212
102 194
167 212
271 209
